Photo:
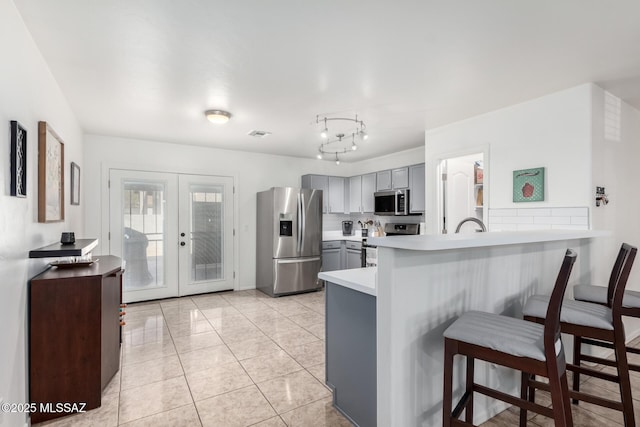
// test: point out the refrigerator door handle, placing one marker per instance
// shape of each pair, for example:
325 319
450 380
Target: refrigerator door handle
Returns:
297 260
299 221
304 223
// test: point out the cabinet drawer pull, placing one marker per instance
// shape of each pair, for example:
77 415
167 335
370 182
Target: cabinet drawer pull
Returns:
123 305
122 323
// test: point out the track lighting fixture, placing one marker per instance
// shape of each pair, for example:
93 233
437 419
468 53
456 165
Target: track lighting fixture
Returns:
334 143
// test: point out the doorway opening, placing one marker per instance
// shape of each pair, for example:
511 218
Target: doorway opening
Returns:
463 191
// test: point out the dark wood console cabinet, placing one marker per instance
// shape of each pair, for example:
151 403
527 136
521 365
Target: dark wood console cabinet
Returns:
74 334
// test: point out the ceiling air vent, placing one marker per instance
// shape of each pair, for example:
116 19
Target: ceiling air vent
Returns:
259 133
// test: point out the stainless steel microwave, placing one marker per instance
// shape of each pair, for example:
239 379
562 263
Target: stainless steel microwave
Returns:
395 202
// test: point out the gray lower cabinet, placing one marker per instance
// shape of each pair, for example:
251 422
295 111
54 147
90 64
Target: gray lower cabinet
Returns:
341 255
332 255
354 255
351 353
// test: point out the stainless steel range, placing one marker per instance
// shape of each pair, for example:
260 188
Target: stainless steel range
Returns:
370 252
391 229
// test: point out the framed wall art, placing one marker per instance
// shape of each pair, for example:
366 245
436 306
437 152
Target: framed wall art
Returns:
18 160
50 175
75 184
528 185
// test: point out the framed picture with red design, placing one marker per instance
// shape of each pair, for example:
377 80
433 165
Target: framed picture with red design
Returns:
528 185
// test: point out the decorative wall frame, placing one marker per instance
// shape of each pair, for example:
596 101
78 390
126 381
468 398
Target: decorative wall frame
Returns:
18 160
50 175
528 185
75 184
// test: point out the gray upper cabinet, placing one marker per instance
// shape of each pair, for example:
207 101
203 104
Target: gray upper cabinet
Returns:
355 194
416 185
361 189
400 178
318 182
368 188
383 180
336 194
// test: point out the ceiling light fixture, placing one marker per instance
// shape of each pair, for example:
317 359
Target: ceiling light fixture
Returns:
337 143
217 116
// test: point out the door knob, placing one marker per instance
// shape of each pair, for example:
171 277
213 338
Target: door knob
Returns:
182 243
182 234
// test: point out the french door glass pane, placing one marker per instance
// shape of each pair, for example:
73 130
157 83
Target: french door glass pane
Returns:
206 232
144 234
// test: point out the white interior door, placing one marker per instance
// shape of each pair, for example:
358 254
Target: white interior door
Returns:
460 200
143 232
459 193
206 234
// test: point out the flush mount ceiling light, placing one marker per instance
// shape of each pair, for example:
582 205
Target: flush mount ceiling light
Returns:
217 116
337 142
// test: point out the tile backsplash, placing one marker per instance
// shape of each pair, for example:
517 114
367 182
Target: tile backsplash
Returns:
517 219
333 222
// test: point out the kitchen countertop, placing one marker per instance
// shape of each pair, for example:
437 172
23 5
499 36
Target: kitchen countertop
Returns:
359 279
438 242
337 235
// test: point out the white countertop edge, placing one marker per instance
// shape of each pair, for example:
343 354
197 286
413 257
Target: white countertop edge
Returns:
438 242
337 235
359 279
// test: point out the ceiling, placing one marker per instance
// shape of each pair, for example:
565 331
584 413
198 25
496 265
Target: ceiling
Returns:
149 68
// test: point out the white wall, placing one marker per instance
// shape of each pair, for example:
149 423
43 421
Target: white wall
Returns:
552 132
615 167
254 172
28 93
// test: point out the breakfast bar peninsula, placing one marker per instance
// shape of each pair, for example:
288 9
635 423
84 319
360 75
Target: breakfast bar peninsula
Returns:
423 283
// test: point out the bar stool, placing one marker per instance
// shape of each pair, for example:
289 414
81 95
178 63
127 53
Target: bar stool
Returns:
587 322
604 296
514 343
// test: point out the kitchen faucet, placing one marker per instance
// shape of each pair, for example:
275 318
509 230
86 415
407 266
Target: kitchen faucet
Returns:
476 220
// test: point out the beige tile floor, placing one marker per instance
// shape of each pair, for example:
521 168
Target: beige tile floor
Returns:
225 359
245 359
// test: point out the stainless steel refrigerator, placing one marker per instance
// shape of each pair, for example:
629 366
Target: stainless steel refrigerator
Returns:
289 240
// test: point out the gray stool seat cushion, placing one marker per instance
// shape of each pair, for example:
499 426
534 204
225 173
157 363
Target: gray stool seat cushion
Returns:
516 337
575 312
598 294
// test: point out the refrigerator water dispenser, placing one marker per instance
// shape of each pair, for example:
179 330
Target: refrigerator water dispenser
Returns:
286 228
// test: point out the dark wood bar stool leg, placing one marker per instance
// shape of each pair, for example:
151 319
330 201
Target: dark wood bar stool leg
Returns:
577 358
525 392
623 373
449 352
469 389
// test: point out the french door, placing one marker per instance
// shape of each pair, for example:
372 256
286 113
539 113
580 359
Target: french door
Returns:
174 231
